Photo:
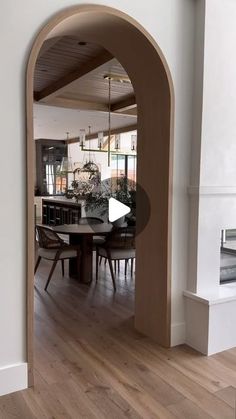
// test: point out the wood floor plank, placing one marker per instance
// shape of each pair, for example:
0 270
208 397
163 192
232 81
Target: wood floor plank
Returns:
154 358
186 409
228 395
91 363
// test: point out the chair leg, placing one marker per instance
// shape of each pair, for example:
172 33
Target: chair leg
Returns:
97 262
50 274
126 264
132 267
115 265
118 262
112 274
100 261
37 264
62 267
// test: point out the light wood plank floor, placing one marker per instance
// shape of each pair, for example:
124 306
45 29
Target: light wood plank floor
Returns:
91 363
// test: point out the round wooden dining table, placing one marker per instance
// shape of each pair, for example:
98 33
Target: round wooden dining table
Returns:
82 234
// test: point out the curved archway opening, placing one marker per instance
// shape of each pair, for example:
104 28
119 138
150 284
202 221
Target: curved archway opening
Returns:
143 61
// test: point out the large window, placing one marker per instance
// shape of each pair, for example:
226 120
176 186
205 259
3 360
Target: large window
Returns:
124 165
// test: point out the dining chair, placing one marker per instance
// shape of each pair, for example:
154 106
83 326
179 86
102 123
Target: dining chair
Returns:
52 247
119 245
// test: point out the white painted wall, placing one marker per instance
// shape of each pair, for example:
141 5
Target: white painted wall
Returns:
214 198
218 146
171 23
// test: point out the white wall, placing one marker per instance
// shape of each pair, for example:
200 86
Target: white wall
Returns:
218 146
171 23
215 195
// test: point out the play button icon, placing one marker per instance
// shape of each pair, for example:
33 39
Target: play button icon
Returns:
116 210
115 198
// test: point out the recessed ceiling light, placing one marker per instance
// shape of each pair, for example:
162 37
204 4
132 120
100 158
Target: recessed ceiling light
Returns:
82 43
118 78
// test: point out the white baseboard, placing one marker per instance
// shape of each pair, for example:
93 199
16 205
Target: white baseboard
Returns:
178 332
13 378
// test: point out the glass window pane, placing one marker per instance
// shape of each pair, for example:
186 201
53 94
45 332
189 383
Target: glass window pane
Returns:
131 170
117 165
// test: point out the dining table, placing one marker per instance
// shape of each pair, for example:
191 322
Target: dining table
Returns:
82 235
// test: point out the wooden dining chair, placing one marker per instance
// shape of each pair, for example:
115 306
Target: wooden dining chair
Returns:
119 245
52 247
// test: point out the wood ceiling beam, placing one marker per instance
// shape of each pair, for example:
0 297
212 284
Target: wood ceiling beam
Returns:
66 102
62 102
90 65
124 104
114 131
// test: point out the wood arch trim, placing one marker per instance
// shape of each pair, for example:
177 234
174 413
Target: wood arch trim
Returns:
147 68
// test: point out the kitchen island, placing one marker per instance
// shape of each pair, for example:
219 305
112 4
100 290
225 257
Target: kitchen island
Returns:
60 210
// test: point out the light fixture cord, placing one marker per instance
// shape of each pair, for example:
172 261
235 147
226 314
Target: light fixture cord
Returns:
109 123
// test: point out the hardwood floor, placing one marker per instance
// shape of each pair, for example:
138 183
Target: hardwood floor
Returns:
91 363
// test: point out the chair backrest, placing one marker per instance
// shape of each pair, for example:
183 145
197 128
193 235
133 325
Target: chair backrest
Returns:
47 238
90 220
121 238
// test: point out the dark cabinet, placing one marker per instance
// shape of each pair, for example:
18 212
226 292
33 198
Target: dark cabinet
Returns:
56 212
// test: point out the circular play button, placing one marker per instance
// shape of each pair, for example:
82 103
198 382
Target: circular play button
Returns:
116 210
120 201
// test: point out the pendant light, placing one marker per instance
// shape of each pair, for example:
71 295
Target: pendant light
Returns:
133 142
117 141
100 139
82 138
66 163
89 168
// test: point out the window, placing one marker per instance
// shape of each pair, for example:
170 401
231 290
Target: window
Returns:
123 165
49 179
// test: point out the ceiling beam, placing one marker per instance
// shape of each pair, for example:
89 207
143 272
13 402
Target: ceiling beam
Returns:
113 131
124 104
62 102
90 65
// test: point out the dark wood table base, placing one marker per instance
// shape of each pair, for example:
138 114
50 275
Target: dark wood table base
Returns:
82 269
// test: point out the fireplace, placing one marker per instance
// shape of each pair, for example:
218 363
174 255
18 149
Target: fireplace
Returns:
228 256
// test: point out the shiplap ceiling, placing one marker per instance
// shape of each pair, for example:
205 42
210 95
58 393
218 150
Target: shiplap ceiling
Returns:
59 56
94 88
71 93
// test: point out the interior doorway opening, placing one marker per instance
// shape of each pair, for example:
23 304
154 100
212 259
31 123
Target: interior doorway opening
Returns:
150 76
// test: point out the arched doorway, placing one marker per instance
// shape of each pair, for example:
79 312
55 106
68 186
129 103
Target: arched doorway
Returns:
141 57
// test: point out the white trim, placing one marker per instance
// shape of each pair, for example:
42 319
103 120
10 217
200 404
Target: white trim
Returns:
224 294
212 190
13 378
178 332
